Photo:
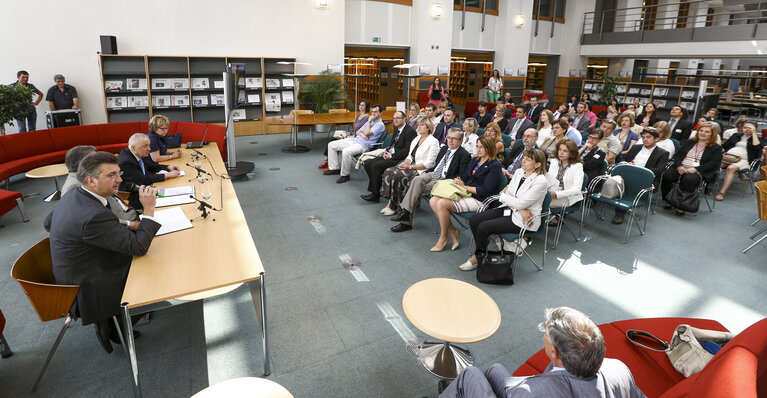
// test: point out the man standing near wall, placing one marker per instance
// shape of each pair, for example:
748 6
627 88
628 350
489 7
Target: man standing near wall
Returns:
62 95
30 122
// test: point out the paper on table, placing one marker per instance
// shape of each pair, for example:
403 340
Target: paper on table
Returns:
173 200
171 220
181 172
175 191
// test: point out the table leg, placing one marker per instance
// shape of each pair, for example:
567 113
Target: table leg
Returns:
444 359
56 195
131 344
258 295
294 147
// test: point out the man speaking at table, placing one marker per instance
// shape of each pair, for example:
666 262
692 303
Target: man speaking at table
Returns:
139 168
89 246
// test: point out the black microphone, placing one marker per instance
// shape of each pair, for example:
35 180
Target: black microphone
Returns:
131 186
199 170
203 203
199 153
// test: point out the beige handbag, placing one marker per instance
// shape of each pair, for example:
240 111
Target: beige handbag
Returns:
686 351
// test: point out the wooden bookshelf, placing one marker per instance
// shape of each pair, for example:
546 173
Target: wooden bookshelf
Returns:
458 82
536 77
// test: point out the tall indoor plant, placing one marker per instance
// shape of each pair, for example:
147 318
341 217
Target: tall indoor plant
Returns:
15 103
324 92
608 89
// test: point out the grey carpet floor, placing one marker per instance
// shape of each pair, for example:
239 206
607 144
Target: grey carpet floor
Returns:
336 333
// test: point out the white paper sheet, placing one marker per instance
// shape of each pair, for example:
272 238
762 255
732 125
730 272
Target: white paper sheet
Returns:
175 191
173 201
172 220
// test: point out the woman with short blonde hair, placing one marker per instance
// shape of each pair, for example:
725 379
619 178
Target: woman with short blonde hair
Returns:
158 149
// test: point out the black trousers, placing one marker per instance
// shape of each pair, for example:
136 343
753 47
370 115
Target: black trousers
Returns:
490 222
375 169
688 183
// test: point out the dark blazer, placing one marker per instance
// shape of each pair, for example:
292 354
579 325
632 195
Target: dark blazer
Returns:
710 161
402 144
483 120
754 151
583 125
518 147
440 131
503 123
457 165
526 124
682 130
656 162
132 173
535 113
90 248
593 161
508 113
654 119
485 179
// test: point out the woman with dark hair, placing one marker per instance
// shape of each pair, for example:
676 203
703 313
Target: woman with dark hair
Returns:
747 146
494 84
649 115
565 175
523 198
613 109
362 118
481 115
558 131
572 104
436 92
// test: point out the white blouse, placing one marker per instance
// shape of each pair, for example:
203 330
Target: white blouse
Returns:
426 153
470 144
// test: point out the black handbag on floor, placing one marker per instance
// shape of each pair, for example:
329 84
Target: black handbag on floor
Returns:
685 201
495 267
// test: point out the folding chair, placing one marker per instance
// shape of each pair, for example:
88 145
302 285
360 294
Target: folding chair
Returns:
638 182
525 233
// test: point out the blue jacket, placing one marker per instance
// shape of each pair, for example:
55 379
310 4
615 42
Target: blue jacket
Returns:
485 179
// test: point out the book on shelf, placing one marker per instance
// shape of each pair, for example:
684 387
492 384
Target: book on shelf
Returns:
136 83
690 106
634 90
241 81
272 83
200 100
180 84
629 100
218 84
253 82
287 82
138 101
112 85
660 103
241 97
595 97
161 84
179 100
254 98
217 99
117 102
658 92
160 100
587 86
287 97
200 83
688 94
643 101
272 101
620 89
645 92
238 114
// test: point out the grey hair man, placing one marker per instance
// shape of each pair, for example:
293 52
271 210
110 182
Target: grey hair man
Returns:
578 368
139 168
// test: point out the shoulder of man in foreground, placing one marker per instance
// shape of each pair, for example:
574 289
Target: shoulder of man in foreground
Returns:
613 374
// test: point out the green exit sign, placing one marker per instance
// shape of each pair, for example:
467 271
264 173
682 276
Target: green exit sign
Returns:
376 39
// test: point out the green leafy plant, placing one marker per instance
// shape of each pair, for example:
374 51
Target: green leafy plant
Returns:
324 92
607 90
15 103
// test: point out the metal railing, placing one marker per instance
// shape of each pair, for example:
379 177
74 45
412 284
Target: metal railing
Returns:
667 16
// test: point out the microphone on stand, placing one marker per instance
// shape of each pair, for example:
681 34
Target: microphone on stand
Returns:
199 153
199 170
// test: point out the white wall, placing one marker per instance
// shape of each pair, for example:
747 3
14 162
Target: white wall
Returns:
513 46
570 56
472 37
64 38
366 19
431 39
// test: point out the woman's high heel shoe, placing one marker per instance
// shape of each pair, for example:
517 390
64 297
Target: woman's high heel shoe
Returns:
437 248
456 241
323 165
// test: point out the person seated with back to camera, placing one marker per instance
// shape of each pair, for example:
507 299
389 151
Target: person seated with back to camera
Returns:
698 157
649 156
578 367
403 135
422 156
747 146
138 168
592 155
126 214
344 149
158 149
572 134
565 175
522 199
452 161
481 180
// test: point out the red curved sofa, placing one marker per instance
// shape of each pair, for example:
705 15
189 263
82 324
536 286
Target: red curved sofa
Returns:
738 370
25 151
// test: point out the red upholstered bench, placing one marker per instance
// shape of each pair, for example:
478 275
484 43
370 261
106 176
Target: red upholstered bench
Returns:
656 377
9 200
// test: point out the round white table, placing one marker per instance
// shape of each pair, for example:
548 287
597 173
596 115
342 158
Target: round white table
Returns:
254 387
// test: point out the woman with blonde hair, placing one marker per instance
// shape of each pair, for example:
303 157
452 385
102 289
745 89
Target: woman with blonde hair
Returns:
625 135
664 133
493 131
470 136
158 129
545 121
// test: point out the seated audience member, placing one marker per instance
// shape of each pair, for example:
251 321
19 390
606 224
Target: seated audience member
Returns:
558 130
470 136
581 122
712 113
403 135
514 161
422 155
698 157
578 368
613 110
481 180
592 155
664 135
610 143
158 129
519 124
523 197
590 115
560 111
638 108
89 246
649 116
413 114
701 119
430 112
451 162
545 120
507 98
747 146
625 135
572 104
440 111
137 167
127 215
572 134
499 118
362 118
630 108
678 124
737 129
565 175
649 156
448 121
509 108
353 146
482 116
493 131
534 112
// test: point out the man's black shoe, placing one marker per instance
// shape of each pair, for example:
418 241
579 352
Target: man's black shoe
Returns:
403 215
103 331
442 385
401 227
342 179
331 172
371 198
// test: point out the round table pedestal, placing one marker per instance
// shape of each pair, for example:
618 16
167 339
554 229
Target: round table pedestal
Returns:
444 359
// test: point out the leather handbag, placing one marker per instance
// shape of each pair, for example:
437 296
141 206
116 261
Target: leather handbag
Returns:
729 158
613 187
690 348
173 140
685 201
495 267
449 190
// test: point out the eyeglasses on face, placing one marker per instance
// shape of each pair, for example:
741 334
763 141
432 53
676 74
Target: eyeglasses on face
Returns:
110 176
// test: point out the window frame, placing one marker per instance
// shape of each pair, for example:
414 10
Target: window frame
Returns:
552 9
459 7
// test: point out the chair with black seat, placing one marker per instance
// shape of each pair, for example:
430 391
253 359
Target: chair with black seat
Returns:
34 272
5 349
638 187
560 213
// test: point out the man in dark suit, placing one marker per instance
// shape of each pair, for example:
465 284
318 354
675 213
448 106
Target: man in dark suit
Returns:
535 110
448 121
518 125
649 156
582 122
91 248
515 156
395 153
452 161
678 125
578 368
137 167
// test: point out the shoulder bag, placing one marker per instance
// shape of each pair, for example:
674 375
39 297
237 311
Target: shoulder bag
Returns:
685 201
173 140
613 187
449 190
729 158
495 267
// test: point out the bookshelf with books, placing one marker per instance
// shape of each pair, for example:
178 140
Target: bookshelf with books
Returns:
207 87
126 97
169 87
278 90
536 76
369 84
458 82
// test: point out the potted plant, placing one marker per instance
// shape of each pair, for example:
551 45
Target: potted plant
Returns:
15 103
607 90
323 93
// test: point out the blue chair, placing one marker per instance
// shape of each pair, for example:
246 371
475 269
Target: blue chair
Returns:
561 213
480 131
507 140
383 142
676 144
638 182
524 233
